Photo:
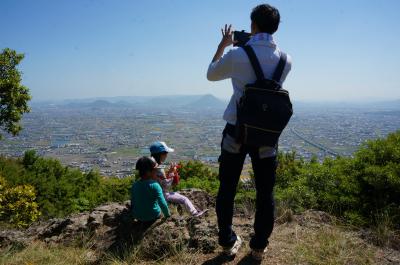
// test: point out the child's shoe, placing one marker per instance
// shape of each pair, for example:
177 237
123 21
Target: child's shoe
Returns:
200 213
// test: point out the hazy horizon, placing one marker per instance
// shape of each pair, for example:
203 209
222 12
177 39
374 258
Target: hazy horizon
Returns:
226 98
341 50
121 98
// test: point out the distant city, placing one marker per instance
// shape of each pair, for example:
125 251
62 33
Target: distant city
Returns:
109 134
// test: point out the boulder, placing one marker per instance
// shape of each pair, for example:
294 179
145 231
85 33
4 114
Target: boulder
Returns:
110 227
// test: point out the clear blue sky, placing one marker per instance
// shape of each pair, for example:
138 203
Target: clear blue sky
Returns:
341 50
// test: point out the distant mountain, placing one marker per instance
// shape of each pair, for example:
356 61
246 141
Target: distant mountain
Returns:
207 102
122 103
171 101
97 104
201 101
388 105
141 102
100 104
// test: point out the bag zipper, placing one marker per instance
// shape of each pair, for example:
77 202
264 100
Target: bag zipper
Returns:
280 91
258 128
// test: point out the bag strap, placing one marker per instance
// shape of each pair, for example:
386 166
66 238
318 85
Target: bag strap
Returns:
281 66
254 62
257 67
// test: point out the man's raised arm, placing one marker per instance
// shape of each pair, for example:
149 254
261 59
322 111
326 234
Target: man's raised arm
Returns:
221 66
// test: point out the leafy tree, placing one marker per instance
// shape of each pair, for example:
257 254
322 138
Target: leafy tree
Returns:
13 95
289 168
61 190
359 189
377 169
12 170
29 158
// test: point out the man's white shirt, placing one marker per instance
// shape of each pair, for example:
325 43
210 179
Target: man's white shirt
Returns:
236 65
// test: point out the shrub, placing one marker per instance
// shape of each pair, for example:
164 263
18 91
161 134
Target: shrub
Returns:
195 174
377 170
17 204
357 189
61 190
288 169
195 168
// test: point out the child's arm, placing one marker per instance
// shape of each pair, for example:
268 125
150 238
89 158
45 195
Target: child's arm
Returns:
173 174
161 201
164 179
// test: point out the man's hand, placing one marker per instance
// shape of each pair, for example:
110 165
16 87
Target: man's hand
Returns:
227 39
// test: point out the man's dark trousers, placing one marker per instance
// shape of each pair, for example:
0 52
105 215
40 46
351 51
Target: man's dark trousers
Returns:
230 168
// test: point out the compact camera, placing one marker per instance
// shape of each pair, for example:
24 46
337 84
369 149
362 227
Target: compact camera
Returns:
241 37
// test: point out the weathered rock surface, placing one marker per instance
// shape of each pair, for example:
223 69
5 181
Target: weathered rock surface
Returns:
110 227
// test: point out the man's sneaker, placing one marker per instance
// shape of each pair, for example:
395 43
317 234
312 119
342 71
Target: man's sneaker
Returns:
232 251
258 254
200 213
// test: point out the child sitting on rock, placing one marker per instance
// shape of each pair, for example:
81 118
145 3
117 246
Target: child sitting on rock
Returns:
159 151
147 198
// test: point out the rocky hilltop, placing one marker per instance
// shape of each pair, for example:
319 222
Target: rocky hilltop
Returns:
109 230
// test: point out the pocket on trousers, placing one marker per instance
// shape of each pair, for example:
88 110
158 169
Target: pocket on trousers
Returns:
266 151
230 145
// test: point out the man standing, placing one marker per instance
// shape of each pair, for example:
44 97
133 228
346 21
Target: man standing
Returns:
235 65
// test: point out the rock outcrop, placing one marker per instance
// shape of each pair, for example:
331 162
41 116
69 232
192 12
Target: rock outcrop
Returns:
110 231
110 228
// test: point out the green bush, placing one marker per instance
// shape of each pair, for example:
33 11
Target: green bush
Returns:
377 169
196 169
61 190
288 168
358 189
17 204
195 174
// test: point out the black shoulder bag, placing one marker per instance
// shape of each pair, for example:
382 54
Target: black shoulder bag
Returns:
265 109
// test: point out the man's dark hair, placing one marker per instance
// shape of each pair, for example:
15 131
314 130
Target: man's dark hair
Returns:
266 17
145 164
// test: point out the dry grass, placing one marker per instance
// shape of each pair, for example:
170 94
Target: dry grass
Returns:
38 253
330 245
291 243
283 213
184 258
384 234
